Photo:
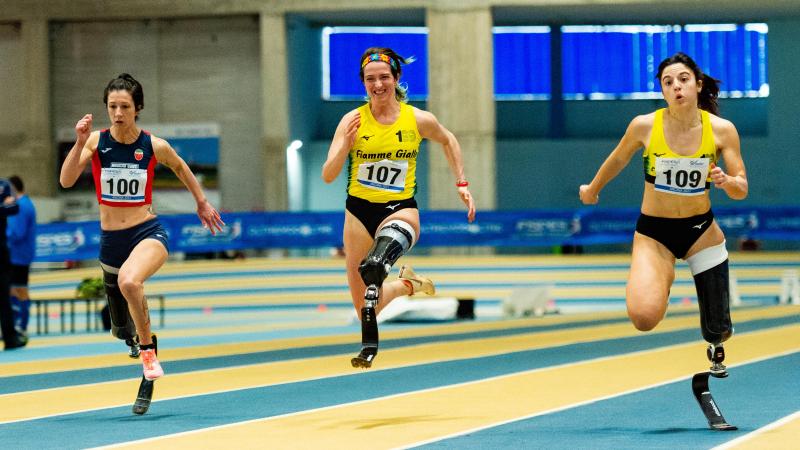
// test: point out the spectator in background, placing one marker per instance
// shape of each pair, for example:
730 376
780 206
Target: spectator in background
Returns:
21 233
8 207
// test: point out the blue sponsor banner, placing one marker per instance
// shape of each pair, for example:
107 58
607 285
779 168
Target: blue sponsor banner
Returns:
603 226
779 224
584 226
67 241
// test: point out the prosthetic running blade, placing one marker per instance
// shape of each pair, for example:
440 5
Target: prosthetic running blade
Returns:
707 404
145 394
143 397
369 339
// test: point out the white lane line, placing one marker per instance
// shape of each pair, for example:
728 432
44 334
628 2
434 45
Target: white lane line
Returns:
780 422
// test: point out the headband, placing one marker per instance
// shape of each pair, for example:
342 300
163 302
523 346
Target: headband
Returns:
379 57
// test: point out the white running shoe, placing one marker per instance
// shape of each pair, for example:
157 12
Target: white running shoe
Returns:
418 283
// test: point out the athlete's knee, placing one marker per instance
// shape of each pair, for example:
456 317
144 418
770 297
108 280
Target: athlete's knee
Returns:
644 320
393 240
122 325
646 307
130 287
711 279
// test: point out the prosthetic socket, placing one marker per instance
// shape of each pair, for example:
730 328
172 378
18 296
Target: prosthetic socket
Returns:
710 270
122 325
391 242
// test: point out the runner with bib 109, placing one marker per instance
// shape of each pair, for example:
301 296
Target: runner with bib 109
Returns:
381 139
682 144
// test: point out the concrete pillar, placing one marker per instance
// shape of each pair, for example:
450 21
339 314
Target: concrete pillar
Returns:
37 166
275 110
461 95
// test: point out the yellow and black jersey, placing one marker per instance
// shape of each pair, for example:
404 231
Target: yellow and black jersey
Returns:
674 173
383 160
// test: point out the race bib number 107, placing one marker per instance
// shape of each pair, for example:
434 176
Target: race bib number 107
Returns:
681 176
384 175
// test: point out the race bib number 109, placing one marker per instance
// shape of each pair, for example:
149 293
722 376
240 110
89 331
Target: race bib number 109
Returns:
681 176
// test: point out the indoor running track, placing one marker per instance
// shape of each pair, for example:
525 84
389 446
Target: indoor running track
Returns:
586 380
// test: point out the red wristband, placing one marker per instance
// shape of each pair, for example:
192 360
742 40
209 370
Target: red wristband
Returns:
462 183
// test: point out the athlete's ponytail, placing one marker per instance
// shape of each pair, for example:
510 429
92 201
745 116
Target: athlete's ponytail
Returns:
707 97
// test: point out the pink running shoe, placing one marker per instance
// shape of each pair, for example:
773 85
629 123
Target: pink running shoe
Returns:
152 368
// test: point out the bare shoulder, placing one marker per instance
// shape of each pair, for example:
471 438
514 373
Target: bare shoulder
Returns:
94 139
163 151
641 125
644 120
423 116
720 125
427 123
159 143
347 118
349 115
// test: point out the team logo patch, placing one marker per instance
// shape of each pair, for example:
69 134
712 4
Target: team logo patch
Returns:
138 154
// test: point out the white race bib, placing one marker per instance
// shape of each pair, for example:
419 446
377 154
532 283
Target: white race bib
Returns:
681 176
122 184
383 175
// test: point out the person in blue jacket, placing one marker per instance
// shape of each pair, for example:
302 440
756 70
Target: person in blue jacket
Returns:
21 233
8 207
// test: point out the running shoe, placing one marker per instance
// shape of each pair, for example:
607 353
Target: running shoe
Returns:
418 283
152 368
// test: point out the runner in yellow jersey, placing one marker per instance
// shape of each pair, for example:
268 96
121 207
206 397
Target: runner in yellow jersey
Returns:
381 140
682 144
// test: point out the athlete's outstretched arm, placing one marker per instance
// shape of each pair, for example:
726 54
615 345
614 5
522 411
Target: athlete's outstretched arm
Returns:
430 128
632 141
341 144
81 153
734 182
167 156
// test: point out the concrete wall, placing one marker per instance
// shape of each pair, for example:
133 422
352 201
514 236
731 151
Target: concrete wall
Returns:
201 60
192 70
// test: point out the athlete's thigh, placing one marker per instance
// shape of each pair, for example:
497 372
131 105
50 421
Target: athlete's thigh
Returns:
651 276
357 243
712 236
407 215
146 258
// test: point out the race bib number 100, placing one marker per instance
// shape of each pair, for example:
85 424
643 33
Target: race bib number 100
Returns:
681 176
123 185
383 175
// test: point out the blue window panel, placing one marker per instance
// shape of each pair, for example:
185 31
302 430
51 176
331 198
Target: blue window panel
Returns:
343 46
622 61
522 63
521 60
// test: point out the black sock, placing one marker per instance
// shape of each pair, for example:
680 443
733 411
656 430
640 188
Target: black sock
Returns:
147 346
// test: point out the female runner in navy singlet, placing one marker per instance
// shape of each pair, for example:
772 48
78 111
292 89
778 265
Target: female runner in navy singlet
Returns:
133 243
